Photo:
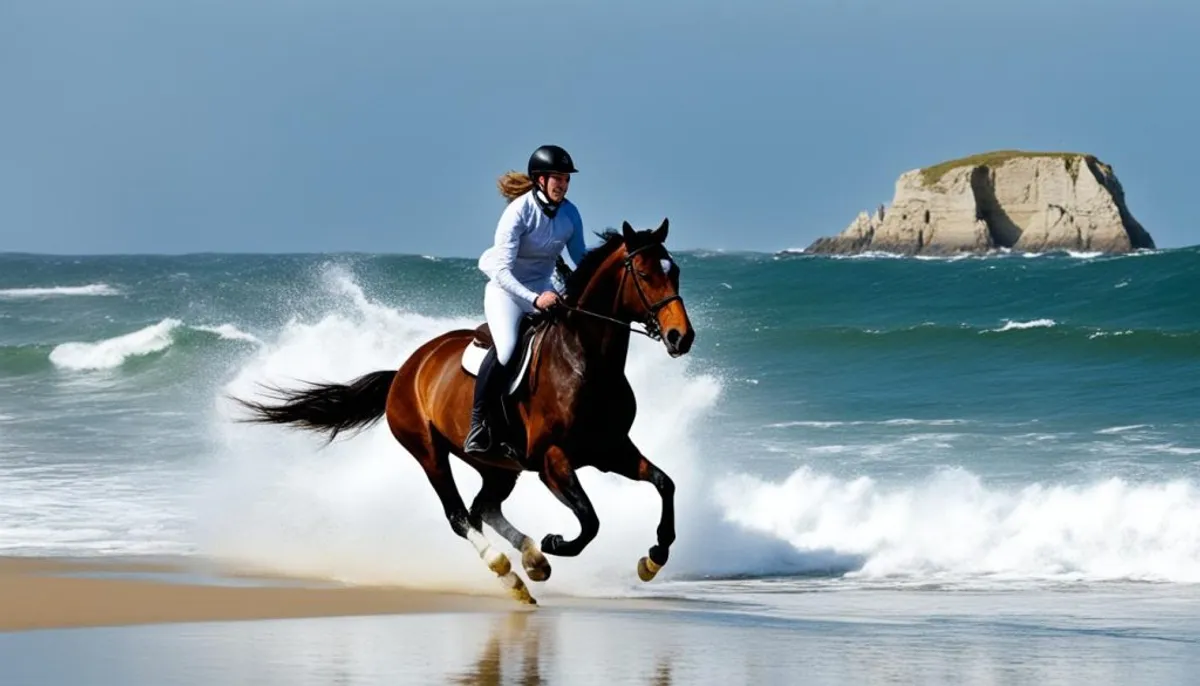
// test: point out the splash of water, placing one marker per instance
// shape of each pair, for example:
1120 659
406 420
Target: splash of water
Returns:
362 509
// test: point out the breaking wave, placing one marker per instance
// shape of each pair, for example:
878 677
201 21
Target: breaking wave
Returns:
953 527
111 353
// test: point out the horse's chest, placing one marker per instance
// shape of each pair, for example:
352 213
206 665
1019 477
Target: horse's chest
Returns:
607 406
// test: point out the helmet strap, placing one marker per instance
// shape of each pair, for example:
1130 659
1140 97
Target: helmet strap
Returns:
548 207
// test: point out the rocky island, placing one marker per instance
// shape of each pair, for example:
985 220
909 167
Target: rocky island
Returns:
1023 201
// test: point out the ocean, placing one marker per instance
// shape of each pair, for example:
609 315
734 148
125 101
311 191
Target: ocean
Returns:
1001 441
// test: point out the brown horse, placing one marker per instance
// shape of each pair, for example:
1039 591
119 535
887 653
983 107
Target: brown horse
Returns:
574 409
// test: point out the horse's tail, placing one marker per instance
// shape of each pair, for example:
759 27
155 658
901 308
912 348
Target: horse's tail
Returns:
327 408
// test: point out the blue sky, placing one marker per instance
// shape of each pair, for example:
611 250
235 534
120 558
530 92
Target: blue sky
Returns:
365 125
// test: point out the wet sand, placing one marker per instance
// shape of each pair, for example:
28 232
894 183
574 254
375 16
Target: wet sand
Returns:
110 622
599 645
42 593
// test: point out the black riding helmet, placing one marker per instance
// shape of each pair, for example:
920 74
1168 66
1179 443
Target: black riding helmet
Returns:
549 159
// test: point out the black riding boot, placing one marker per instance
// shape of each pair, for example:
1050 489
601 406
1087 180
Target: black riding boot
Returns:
491 378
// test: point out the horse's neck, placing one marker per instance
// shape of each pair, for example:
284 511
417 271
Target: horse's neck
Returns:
600 344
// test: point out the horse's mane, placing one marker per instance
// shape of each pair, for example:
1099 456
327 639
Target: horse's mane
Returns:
586 269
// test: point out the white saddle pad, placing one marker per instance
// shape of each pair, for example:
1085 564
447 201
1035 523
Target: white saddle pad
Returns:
473 355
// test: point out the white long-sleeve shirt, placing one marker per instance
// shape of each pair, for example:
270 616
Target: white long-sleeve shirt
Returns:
528 243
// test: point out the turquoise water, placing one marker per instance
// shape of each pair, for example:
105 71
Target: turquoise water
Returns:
874 422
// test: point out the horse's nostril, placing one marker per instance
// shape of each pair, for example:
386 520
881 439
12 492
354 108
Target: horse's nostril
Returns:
673 337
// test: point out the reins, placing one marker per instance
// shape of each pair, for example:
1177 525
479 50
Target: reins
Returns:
613 320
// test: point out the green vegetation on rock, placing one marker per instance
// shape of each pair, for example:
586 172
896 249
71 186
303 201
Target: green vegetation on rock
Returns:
933 174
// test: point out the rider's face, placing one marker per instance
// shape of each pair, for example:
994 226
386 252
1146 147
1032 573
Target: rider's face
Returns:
555 186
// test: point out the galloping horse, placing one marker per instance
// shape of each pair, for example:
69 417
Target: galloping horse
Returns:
574 407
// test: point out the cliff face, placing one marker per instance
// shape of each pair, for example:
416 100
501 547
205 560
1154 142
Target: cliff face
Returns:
1030 202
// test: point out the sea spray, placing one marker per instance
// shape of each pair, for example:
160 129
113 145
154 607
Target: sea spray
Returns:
362 510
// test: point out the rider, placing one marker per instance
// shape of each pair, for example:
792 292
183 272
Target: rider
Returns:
533 229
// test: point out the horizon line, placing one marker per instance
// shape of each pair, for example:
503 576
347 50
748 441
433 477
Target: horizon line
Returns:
364 253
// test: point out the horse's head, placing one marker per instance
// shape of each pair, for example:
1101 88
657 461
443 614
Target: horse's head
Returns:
649 289
633 278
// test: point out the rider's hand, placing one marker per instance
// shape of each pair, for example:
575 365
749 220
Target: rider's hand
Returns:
547 300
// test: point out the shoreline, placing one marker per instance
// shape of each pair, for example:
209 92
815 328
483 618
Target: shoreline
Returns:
59 593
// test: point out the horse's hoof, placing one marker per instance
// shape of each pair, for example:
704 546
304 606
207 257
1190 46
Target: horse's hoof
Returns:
536 566
552 542
516 587
522 595
519 590
647 569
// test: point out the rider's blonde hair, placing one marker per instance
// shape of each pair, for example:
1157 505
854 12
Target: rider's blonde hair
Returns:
514 184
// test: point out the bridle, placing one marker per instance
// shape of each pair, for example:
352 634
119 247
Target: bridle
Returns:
650 322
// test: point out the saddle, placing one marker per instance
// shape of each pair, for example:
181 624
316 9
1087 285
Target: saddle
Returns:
508 431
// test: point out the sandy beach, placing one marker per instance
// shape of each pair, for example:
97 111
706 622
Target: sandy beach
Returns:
41 593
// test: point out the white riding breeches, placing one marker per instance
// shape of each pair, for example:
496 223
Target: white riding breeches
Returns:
504 313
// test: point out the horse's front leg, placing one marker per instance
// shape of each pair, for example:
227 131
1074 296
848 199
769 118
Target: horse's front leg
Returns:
559 476
630 463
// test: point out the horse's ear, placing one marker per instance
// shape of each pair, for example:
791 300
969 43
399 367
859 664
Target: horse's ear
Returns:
660 234
628 231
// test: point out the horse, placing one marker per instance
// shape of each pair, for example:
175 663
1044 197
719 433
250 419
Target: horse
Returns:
573 408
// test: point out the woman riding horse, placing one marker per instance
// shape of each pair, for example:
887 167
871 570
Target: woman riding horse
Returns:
576 406
530 236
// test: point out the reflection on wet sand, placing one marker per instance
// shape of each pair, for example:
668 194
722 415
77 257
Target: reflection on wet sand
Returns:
662 676
568 645
512 633
513 654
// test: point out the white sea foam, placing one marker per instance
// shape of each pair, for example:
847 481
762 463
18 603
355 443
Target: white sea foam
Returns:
56 291
57 510
230 332
953 526
1122 429
1105 334
1010 325
900 421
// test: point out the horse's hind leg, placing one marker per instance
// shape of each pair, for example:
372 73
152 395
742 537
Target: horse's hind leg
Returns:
432 452
497 486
